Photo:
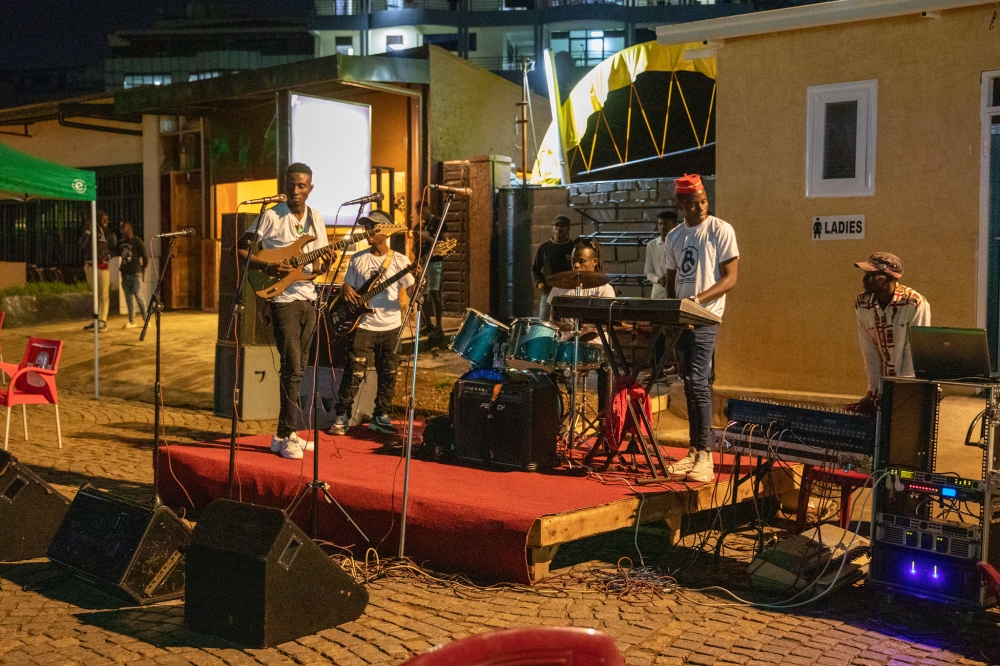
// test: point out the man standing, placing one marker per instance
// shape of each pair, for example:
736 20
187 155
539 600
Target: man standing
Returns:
375 335
553 257
293 312
702 261
106 243
432 281
656 268
885 310
133 268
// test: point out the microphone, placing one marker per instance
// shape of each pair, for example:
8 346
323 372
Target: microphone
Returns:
186 232
277 198
465 191
371 198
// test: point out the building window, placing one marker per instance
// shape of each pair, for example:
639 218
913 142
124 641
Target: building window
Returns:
136 80
840 141
344 45
588 47
201 76
393 42
449 41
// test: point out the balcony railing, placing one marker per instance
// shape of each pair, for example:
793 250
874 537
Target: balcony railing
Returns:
352 7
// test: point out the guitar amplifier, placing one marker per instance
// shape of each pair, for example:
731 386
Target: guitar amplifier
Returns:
516 427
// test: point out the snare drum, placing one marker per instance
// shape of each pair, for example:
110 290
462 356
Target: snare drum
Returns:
590 356
532 345
479 339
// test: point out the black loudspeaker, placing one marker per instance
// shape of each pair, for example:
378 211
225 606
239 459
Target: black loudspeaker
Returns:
128 548
515 428
255 324
255 578
30 511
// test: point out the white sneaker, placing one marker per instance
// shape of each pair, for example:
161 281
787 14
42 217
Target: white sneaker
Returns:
290 449
305 445
129 325
684 465
704 468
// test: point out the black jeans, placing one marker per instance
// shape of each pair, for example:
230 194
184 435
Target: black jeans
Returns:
294 324
364 346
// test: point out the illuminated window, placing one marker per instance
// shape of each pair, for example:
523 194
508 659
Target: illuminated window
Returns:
136 80
344 45
393 42
840 141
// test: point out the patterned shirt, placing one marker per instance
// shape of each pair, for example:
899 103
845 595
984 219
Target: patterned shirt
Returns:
882 334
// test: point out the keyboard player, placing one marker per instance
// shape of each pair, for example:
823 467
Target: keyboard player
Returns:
702 259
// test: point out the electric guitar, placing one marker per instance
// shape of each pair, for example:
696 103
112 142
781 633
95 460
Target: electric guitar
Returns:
345 316
267 283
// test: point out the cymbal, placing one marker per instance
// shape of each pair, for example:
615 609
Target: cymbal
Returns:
574 279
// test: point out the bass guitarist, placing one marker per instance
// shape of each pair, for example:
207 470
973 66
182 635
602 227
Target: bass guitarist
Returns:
376 333
293 312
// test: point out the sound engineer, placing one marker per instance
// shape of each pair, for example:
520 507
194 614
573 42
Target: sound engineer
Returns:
884 311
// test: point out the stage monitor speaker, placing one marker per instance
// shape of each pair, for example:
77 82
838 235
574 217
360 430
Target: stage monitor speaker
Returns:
518 429
259 381
255 578
30 511
255 324
131 549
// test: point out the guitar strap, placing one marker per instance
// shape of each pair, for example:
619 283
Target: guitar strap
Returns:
385 266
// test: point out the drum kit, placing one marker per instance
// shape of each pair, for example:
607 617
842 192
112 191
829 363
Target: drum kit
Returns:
534 345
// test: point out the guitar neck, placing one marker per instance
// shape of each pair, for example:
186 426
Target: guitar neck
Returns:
309 257
382 286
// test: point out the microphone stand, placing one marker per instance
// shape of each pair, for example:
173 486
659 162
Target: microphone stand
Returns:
317 486
234 321
156 308
414 307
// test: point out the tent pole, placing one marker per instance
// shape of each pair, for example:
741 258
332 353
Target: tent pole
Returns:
96 284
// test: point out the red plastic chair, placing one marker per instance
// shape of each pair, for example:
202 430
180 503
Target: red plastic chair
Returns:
526 646
33 382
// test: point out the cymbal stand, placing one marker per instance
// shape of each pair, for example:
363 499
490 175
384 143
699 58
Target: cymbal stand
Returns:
410 410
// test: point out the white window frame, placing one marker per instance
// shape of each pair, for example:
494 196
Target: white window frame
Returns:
865 93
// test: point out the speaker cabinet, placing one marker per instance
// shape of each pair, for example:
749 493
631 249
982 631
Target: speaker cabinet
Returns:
255 324
255 578
517 430
131 549
260 384
30 511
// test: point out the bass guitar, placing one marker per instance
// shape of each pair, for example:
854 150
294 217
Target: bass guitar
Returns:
267 283
345 316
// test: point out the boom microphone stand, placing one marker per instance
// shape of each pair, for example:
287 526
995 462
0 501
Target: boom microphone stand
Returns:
156 308
414 306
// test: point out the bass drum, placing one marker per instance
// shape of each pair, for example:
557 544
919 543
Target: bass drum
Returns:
479 339
532 345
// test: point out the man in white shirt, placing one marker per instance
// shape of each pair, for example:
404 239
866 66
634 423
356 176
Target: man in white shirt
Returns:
885 310
376 332
293 312
656 268
702 261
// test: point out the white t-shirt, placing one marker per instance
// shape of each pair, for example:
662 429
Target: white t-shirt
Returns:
278 227
604 291
656 265
363 265
695 253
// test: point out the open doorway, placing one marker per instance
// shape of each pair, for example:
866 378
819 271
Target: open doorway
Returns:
990 208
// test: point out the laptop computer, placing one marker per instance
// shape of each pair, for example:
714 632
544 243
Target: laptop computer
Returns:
949 353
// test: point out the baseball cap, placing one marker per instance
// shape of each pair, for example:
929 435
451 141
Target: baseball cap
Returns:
884 262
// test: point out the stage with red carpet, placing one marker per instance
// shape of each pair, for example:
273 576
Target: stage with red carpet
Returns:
491 525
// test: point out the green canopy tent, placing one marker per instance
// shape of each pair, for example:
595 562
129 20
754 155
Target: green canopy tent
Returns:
24 177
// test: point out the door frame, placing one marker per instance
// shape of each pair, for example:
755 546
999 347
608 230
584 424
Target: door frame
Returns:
984 300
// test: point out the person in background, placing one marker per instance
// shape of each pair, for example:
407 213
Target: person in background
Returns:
656 269
133 268
106 244
885 310
432 281
702 263
553 256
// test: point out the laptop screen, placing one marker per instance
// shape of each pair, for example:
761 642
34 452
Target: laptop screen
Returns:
949 353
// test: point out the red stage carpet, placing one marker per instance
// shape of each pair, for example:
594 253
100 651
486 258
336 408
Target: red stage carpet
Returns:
460 519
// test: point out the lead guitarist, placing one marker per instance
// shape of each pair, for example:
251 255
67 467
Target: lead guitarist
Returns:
293 312
375 336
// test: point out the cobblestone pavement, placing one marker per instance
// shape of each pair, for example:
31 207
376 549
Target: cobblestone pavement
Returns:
49 618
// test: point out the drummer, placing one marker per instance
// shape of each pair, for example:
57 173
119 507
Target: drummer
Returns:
587 258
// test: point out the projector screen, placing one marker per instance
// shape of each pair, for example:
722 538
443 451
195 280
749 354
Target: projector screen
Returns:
334 139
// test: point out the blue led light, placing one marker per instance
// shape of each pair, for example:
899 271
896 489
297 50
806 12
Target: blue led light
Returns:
949 492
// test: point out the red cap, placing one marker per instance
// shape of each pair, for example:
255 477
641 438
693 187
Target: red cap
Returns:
688 184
